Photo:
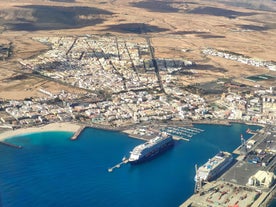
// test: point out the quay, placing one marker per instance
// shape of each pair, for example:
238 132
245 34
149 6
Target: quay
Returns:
182 132
77 133
224 194
251 181
215 122
11 145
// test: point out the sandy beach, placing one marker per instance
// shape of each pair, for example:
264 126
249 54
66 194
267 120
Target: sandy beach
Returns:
70 127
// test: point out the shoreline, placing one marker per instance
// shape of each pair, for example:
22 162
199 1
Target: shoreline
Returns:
64 126
74 127
128 130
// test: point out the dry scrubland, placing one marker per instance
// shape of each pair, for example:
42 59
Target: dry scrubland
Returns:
178 29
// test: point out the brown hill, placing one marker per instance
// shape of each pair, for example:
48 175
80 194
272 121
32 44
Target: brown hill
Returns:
178 29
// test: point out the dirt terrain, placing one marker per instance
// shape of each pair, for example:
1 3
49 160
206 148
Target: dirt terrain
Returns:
178 29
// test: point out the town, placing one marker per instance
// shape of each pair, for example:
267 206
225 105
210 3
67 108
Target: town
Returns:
123 84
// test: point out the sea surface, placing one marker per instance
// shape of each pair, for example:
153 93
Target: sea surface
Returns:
51 170
273 203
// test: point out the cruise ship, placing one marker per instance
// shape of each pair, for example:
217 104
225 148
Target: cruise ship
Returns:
151 148
214 167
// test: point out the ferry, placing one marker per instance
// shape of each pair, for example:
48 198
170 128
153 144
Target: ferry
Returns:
214 167
151 149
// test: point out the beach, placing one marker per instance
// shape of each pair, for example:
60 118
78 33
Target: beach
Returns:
66 126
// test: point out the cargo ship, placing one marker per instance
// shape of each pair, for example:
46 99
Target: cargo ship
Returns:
151 149
214 167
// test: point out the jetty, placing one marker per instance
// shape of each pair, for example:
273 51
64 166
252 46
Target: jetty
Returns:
77 133
124 161
11 145
180 138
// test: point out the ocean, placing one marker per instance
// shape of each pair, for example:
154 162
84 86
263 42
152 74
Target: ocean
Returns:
51 170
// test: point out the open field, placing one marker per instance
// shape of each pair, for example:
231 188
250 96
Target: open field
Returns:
177 29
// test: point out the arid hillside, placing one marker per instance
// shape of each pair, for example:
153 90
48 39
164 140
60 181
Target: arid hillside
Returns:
178 29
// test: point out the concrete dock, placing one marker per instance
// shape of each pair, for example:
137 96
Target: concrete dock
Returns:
224 194
77 133
124 161
232 188
180 138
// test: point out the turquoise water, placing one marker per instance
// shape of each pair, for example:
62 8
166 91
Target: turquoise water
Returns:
273 203
51 170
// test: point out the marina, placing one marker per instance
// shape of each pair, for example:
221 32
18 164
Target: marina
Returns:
182 132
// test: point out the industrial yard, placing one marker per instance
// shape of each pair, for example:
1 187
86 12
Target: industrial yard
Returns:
246 183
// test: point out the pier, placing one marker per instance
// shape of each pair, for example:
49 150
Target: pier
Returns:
11 145
77 133
180 138
124 161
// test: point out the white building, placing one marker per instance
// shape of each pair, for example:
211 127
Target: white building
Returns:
262 179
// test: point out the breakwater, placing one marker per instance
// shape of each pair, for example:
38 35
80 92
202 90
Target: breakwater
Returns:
11 145
77 133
